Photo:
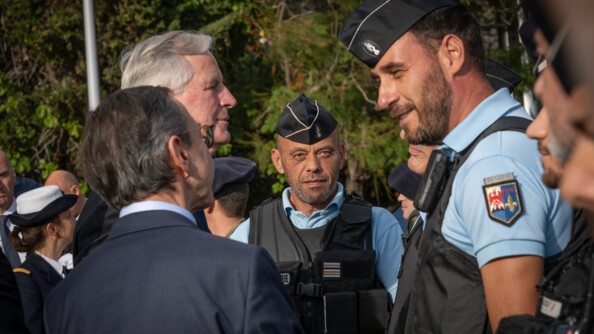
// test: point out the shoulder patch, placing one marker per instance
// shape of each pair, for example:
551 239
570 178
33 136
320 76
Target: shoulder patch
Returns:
502 196
21 270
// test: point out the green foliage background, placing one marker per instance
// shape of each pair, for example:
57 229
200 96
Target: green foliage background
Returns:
268 50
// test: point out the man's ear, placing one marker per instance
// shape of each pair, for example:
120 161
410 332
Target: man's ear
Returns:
210 208
74 189
179 155
451 55
276 160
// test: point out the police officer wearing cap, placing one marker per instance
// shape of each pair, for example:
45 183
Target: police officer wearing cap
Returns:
491 221
337 254
43 228
231 192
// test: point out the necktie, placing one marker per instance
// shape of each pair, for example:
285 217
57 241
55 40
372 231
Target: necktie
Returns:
65 271
11 254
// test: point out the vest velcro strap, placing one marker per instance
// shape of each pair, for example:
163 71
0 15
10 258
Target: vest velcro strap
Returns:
310 290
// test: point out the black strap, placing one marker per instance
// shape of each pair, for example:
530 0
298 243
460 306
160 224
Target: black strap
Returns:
511 123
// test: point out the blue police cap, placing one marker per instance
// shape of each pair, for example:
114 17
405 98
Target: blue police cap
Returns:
232 170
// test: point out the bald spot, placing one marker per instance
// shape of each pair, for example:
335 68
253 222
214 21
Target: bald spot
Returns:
64 180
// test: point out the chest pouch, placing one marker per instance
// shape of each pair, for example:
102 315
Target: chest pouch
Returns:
290 274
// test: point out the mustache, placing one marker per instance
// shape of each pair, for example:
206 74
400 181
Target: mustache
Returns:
399 109
311 178
543 149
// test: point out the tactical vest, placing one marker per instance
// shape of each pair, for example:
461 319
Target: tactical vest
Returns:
448 294
335 286
566 290
406 275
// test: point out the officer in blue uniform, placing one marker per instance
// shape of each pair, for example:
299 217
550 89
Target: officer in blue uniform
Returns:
329 245
43 228
492 222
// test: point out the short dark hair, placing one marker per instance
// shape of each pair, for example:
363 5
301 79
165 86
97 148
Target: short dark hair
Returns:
124 153
456 20
233 198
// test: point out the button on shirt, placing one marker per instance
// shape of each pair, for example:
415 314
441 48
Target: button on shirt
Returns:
543 229
386 234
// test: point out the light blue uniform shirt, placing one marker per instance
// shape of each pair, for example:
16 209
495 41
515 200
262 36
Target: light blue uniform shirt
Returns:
156 205
386 234
543 229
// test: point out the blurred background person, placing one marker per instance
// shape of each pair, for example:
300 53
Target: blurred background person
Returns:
68 183
231 192
406 182
8 206
43 228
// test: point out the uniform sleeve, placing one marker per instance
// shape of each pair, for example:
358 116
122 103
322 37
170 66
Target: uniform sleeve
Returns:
269 308
387 242
32 302
540 216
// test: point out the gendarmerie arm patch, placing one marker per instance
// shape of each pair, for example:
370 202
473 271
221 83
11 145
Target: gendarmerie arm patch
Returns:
502 195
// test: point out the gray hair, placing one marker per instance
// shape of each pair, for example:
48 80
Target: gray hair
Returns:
124 150
159 61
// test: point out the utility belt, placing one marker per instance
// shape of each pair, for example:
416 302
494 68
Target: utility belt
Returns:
336 293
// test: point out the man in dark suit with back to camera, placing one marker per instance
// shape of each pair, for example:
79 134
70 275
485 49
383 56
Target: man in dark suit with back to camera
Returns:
157 272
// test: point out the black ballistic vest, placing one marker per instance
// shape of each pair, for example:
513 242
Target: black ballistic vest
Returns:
406 275
567 290
334 285
448 293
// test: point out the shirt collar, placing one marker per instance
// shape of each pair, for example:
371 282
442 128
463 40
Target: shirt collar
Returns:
156 205
486 113
55 264
11 209
317 218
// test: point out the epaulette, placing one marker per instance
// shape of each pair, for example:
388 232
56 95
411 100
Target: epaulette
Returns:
21 270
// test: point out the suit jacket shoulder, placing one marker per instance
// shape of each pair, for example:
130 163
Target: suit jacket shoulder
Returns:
167 276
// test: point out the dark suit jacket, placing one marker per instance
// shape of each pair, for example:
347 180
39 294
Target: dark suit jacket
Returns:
11 309
92 227
94 224
34 285
158 273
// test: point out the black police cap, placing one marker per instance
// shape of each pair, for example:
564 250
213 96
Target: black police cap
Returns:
376 24
500 76
230 170
305 121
